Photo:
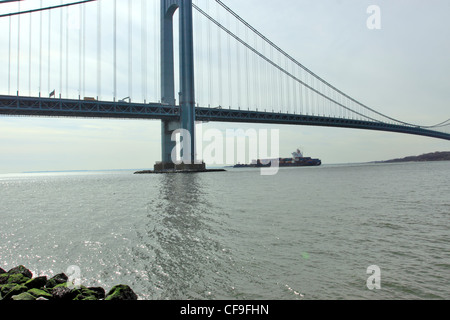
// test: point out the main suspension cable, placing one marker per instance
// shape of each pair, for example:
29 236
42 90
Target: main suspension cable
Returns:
19 12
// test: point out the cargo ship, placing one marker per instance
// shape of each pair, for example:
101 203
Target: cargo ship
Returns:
297 160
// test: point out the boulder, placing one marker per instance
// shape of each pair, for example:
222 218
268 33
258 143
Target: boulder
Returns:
60 278
5 288
121 292
16 290
17 278
23 296
18 284
4 278
21 270
99 292
62 293
85 294
39 293
38 282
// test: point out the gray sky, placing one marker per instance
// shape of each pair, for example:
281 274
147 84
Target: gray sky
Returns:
401 70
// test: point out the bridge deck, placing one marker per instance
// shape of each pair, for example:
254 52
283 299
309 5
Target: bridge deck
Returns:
50 107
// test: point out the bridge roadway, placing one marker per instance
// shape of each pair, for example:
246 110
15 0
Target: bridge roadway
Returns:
51 107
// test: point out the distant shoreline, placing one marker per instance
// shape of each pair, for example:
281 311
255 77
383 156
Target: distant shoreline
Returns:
434 156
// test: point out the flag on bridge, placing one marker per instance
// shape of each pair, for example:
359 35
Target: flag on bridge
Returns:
52 94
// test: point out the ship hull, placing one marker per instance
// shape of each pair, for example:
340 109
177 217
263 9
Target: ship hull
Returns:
307 162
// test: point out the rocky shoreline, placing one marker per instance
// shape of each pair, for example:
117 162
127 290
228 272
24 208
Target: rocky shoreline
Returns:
19 284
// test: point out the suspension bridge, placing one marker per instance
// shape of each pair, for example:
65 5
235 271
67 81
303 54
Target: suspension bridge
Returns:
116 59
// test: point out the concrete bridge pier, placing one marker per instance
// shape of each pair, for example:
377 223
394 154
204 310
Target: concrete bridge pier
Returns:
187 90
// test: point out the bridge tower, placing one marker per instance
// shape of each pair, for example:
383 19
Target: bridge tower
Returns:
186 98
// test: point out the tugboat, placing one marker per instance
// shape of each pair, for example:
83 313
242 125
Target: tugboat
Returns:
297 160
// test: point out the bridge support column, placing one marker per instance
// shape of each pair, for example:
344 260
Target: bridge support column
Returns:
187 90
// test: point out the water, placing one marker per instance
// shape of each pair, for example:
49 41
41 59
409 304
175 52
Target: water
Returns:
306 233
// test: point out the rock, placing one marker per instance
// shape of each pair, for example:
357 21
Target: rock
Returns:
99 292
24 296
16 275
21 270
5 288
17 278
39 293
62 293
85 294
18 284
38 282
121 292
4 278
16 290
57 279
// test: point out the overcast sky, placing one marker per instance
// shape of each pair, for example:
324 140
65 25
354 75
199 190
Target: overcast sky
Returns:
402 70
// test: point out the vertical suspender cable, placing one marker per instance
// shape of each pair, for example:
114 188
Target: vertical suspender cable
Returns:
219 51
210 78
48 51
156 51
130 51
321 105
317 97
288 88
40 51
272 80
264 79
307 95
301 92
294 91
67 52
316 81
99 49
197 53
199 45
60 49
281 84
247 76
84 51
273 84
230 90
238 68
29 58
257 74
254 77
115 51
144 48
9 58
313 96
80 34
18 50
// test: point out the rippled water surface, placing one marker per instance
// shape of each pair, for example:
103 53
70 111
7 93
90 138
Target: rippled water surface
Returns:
305 233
